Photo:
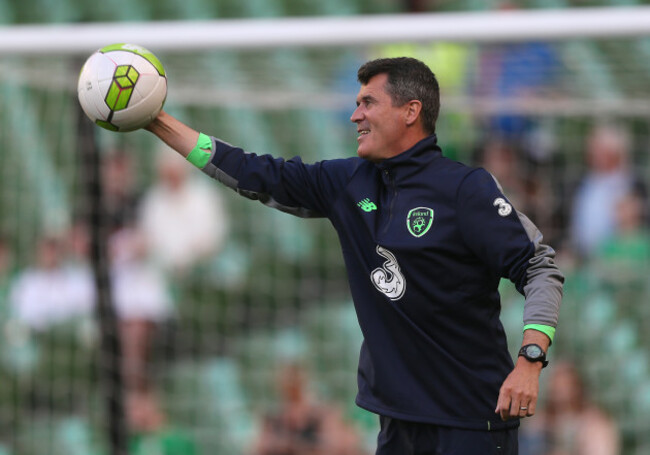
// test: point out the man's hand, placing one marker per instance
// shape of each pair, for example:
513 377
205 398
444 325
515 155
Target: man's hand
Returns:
519 392
174 133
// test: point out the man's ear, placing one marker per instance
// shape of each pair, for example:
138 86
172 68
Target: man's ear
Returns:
412 112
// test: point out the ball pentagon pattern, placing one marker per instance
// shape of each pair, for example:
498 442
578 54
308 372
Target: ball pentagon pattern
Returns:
122 87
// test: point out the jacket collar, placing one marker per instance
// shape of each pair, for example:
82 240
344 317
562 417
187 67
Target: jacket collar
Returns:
418 156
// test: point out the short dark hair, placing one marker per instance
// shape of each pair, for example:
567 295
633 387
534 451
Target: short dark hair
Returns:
408 79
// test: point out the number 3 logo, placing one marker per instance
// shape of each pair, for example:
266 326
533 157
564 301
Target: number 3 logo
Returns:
505 208
388 278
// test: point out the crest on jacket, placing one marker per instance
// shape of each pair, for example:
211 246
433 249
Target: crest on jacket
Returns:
419 221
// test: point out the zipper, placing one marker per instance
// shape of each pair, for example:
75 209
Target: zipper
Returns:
392 201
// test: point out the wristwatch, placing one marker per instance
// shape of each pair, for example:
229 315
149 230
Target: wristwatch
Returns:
533 353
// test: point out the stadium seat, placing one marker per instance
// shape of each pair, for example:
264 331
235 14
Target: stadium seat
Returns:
47 190
74 437
227 399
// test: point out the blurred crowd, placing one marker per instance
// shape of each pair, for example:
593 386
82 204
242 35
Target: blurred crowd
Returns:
154 240
597 217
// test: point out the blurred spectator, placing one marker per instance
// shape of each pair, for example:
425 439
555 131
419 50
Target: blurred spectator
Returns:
120 193
183 220
607 180
55 290
303 426
510 76
629 248
568 424
163 441
61 288
176 203
141 294
48 292
502 161
519 179
143 303
622 260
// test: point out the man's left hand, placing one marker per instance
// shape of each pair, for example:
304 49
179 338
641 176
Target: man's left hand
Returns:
518 394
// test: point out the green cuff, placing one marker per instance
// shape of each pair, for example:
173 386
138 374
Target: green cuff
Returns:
201 153
545 329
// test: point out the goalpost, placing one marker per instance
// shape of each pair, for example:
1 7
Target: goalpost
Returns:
274 291
491 26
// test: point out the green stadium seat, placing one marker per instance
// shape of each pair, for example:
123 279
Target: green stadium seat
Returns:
208 396
635 367
621 338
598 313
37 437
74 437
230 266
185 10
47 189
221 380
641 402
6 14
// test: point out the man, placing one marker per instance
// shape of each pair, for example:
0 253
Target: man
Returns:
425 241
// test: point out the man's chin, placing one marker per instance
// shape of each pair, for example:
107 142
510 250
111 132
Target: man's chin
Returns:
367 156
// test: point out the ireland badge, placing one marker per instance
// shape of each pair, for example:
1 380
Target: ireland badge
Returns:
419 220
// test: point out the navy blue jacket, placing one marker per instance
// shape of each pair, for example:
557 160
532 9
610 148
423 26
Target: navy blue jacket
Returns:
425 241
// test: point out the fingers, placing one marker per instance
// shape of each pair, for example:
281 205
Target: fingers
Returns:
525 411
503 406
532 404
512 407
519 390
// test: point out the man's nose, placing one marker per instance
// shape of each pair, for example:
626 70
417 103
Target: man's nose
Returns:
356 115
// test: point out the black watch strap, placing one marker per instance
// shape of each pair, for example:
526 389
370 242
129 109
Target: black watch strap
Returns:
533 353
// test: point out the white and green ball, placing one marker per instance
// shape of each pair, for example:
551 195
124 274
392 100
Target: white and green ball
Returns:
122 87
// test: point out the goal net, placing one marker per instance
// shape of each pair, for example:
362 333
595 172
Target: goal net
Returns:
216 296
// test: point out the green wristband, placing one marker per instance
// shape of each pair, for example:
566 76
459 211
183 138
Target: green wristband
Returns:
545 329
201 153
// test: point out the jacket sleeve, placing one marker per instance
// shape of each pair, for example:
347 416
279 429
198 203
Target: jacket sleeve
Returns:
303 190
511 246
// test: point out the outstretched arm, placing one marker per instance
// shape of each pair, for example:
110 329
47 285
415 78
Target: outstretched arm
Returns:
174 133
287 185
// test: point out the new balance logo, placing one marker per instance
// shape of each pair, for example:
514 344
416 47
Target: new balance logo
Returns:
367 205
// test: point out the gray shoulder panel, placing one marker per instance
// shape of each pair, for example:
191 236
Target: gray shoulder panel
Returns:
543 289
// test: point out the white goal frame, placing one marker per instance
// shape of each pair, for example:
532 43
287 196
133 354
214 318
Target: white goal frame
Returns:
178 36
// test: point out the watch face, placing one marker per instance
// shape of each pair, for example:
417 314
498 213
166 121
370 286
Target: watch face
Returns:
533 351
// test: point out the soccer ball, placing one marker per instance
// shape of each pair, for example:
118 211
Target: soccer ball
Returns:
122 87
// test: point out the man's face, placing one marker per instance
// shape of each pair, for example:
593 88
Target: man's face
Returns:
381 126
